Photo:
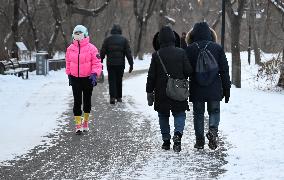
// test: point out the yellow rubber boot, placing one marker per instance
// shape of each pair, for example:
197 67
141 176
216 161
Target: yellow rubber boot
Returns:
86 122
78 126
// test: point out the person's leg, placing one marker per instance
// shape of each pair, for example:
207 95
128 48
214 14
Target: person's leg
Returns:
87 95
112 83
198 119
179 122
120 72
77 94
213 109
165 129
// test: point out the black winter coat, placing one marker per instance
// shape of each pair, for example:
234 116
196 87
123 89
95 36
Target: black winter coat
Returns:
202 34
116 47
177 65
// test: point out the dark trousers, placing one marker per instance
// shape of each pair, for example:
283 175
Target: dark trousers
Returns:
213 109
81 86
179 122
115 75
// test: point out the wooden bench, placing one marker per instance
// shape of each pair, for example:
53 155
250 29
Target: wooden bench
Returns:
12 66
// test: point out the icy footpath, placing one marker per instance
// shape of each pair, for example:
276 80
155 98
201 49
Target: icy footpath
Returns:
161 164
251 145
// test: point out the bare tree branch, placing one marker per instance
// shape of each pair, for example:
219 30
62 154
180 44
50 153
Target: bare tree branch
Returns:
86 12
150 9
279 5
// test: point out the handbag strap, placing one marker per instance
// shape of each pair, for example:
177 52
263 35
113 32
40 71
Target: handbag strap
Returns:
164 67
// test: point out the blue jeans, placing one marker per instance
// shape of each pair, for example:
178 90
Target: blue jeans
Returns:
179 121
213 109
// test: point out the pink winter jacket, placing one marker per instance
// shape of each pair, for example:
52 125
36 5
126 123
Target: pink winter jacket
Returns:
82 59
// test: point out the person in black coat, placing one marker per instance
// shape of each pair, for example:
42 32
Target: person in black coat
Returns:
183 44
116 47
201 35
177 65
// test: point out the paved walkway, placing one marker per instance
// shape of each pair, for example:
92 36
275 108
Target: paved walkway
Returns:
115 148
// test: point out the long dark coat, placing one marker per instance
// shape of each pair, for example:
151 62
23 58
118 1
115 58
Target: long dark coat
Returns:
202 34
177 65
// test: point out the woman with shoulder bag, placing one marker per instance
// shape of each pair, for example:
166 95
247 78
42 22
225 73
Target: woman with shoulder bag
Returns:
178 67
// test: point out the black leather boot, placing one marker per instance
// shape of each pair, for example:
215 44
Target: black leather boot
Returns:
212 136
112 100
177 141
199 143
166 145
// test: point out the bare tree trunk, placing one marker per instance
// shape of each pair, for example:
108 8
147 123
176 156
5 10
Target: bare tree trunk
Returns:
32 26
280 7
267 24
235 20
57 27
281 78
236 60
141 23
254 34
15 28
9 35
139 34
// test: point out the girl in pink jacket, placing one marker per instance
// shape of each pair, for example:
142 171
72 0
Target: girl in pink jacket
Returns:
83 66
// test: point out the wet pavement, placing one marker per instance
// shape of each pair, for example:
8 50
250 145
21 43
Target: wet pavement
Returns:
115 148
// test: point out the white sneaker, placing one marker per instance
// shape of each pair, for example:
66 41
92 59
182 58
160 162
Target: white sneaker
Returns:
85 126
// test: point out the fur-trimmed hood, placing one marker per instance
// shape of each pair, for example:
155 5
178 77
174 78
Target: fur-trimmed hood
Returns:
201 31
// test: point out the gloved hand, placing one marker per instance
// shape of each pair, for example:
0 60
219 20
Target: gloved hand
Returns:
130 68
70 80
226 94
93 77
150 98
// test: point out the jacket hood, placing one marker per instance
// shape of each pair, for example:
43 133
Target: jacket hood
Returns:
116 29
201 31
166 36
156 42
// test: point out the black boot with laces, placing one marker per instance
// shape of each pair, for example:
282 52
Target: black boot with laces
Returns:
212 136
177 142
166 145
199 143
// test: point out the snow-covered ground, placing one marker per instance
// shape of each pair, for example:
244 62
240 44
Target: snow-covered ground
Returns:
252 122
31 109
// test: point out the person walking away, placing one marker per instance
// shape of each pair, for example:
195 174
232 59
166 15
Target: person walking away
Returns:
183 44
116 47
177 65
83 66
210 90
